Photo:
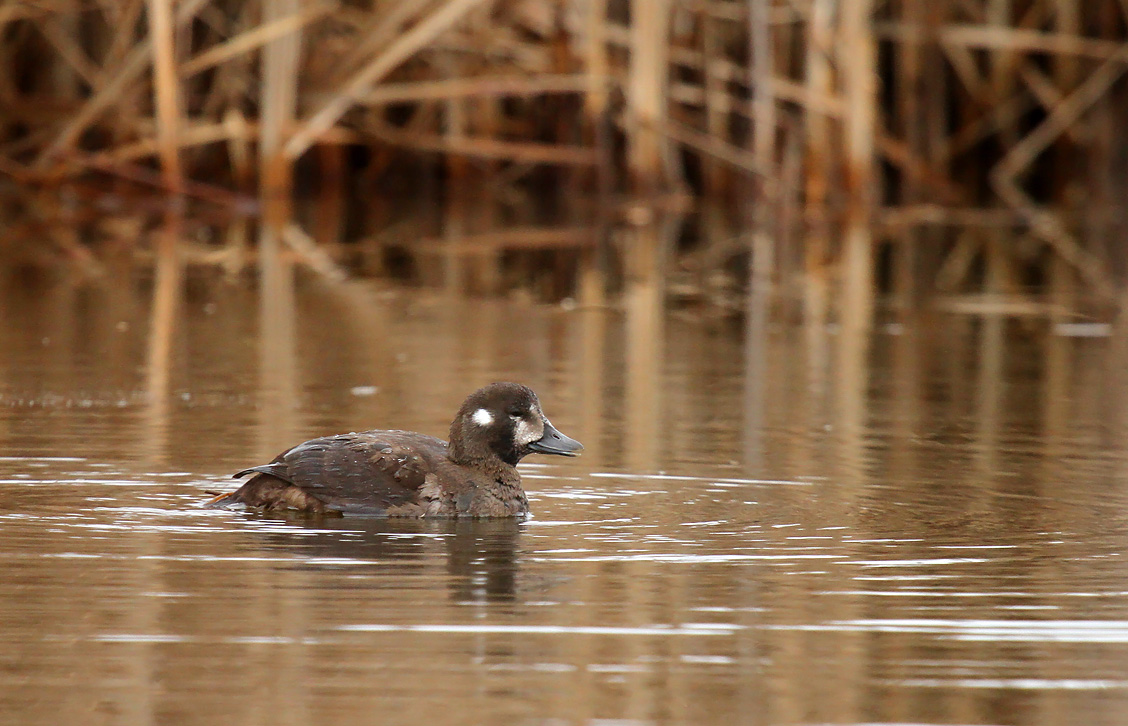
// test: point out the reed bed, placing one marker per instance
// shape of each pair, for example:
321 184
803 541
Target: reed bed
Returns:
862 147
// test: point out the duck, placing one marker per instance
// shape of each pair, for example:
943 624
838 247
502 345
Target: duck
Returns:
392 473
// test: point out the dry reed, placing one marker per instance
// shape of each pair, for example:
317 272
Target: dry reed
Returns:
956 125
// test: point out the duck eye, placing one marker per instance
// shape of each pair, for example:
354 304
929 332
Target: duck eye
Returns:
515 412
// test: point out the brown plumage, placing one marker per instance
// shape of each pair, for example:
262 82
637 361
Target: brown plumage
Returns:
406 474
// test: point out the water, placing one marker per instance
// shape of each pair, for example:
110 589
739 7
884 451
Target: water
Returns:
781 533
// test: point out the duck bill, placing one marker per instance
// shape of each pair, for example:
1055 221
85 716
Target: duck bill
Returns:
554 442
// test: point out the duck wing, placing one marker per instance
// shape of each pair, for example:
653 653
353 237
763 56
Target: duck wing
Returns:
371 472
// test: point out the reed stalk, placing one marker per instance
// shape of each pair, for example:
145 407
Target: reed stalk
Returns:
595 60
167 92
763 137
857 63
646 92
279 98
818 164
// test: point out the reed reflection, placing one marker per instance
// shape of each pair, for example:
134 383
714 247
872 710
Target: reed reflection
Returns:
850 390
907 392
1115 403
593 349
167 292
812 584
278 384
758 313
645 249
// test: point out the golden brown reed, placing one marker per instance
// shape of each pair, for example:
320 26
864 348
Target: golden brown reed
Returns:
904 146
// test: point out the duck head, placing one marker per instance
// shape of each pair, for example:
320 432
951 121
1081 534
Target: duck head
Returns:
504 420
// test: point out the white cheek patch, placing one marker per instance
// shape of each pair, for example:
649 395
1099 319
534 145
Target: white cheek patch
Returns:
482 417
527 433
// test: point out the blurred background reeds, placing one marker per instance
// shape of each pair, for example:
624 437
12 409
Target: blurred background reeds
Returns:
968 153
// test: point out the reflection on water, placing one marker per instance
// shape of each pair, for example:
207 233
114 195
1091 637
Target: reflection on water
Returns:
925 526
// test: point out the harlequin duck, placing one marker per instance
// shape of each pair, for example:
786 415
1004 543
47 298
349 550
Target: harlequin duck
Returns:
406 474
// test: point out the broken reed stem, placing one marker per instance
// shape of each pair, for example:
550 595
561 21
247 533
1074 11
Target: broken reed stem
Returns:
135 62
380 31
252 39
314 256
399 51
716 148
70 51
1060 118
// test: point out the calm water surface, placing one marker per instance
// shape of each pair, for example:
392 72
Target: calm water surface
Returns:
779 530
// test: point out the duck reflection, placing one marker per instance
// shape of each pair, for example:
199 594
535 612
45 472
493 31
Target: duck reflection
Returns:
480 554
482 559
